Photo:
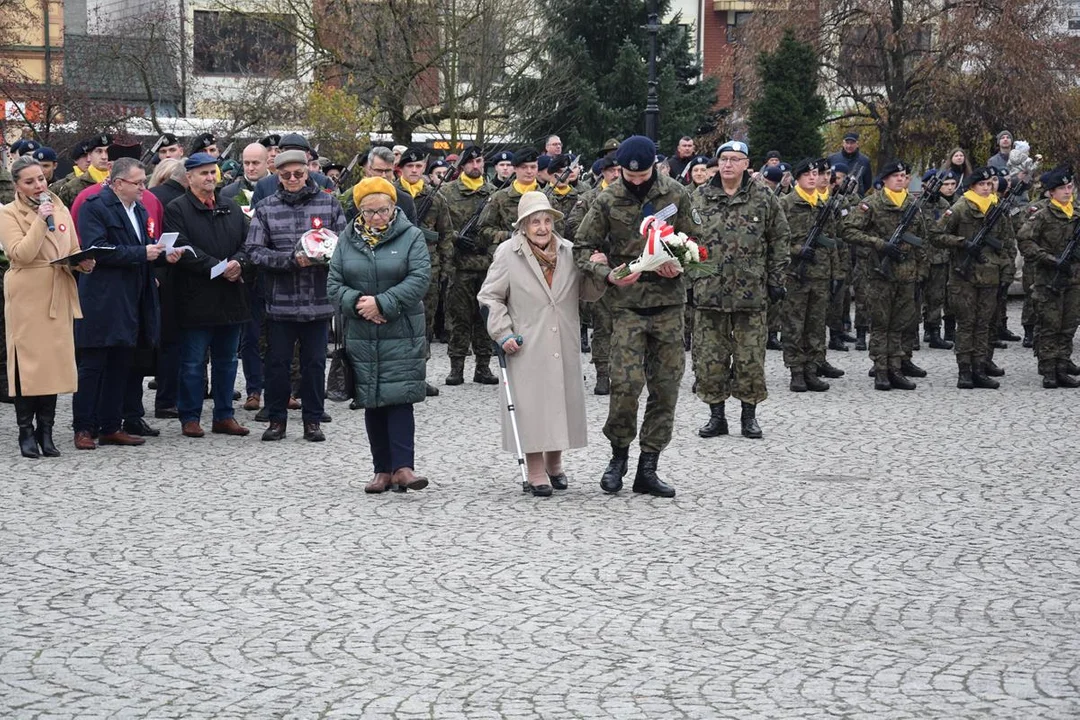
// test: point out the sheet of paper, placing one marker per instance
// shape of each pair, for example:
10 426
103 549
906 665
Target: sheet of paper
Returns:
169 241
218 269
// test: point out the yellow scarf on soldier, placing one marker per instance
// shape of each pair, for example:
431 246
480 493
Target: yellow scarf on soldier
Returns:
603 184
413 190
896 198
562 191
823 196
471 184
982 203
1067 209
79 172
524 188
98 176
810 197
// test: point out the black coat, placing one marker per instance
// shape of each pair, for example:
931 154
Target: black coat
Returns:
166 192
216 234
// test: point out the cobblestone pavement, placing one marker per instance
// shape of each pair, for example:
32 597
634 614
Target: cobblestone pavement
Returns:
878 555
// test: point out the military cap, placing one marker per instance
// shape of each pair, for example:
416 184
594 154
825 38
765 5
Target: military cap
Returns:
784 167
293 140
734 146
1061 175
167 140
79 150
772 154
610 145
202 141
559 163
773 174
44 154
543 162
697 160
436 163
230 168
803 166
412 155
97 141
24 147
271 140
851 135
609 161
636 153
470 153
840 168
198 160
504 156
334 166
980 174
822 164
598 166
896 166
950 175
525 155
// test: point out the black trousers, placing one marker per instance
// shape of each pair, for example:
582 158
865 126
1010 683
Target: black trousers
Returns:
282 336
104 374
390 431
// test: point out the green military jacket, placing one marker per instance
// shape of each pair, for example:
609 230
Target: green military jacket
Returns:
872 223
577 213
461 204
71 189
800 217
564 204
959 224
747 237
1043 238
500 216
613 224
54 187
937 254
435 224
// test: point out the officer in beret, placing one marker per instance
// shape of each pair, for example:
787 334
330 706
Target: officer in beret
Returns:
46 157
1056 293
935 287
170 147
272 143
503 162
436 171
647 310
839 316
500 215
205 143
97 170
561 193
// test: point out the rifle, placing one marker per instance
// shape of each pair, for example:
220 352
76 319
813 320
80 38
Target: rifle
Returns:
425 204
983 237
900 235
464 240
1064 262
225 155
550 189
149 154
348 171
815 237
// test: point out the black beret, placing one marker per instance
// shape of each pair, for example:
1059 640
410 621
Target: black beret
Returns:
525 155
96 142
412 155
840 168
1061 175
636 153
772 154
293 140
802 167
559 163
896 166
436 163
271 140
821 164
168 139
773 174
79 150
980 174
608 161
470 153
334 166
543 163
504 156
203 141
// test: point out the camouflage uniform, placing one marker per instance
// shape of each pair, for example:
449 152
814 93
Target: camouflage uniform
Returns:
563 203
71 189
499 217
596 314
746 235
1043 238
467 272
647 317
439 236
1027 315
890 302
935 293
839 312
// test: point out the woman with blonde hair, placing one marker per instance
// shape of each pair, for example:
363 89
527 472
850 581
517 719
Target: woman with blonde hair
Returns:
167 169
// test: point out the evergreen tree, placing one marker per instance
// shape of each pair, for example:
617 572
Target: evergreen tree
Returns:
598 50
789 113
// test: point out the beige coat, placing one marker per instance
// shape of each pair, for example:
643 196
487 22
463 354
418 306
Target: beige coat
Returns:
545 375
41 301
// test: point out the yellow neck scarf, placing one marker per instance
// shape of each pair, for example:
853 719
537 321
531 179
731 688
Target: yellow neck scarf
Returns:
413 190
823 195
983 203
810 197
471 184
78 171
1067 209
524 188
562 191
897 198
96 175
603 184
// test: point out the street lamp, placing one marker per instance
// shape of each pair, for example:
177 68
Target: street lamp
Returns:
652 102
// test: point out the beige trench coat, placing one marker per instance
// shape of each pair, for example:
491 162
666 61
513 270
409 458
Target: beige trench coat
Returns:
545 375
41 301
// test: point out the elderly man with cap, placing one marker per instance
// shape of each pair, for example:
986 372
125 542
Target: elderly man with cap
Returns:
46 157
1000 160
850 155
1044 237
210 310
269 184
297 306
97 150
466 197
647 311
891 297
746 232
169 147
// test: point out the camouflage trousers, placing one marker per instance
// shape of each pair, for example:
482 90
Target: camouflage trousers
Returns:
973 308
646 351
858 284
1057 315
1027 316
729 355
3 338
803 322
935 295
839 310
599 314
431 305
772 316
893 313
463 316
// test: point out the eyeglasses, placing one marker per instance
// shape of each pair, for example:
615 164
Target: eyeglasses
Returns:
295 174
381 171
140 183
730 160
369 213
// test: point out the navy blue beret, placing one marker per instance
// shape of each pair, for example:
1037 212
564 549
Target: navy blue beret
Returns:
636 153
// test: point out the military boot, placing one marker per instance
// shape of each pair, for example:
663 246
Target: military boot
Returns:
937 342
46 418
611 481
646 481
827 369
836 342
950 328
585 347
910 369
457 372
992 369
773 342
1029 336
881 380
899 381
964 380
24 416
603 381
926 333
982 380
717 424
860 339
750 428
1050 380
1004 333
482 373
1071 368
1064 379
798 380
813 382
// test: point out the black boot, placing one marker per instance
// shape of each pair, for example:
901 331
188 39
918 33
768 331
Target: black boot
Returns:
982 380
926 333
992 369
813 382
773 342
611 481
950 328
482 374
585 347
798 380
1071 368
24 415
750 428
457 372
717 423
846 336
836 343
46 418
898 380
1029 336
937 342
603 381
1004 333
964 380
910 369
1064 379
1050 380
860 339
881 380
646 480
826 369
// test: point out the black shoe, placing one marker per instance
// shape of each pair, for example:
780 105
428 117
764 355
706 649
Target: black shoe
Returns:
910 369
750 427
429 390
773 342
1067 381
1029 336
457 372
926 333
898 380
169 413
798 380
1004 333
813 382
152 385
717 423
964 381
326 417
860 339
236 395
826 369
536 490
46 418
603 384
992 369
263 415
881 379
982 380
611 481
276 431
1050 381
312 432
585 348
28 445
1071 368
847 337
646 481
998 344
24 416
835 343
559 482
871 372
950 328
482 374
354 405
139 428
937 342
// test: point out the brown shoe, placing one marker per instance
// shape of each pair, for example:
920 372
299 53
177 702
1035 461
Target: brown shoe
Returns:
229 427
120 438
379 483
253 402
83 441
294 404
404 479
192 429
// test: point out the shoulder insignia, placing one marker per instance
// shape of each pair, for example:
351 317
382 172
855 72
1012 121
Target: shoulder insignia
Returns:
695 216
864 207
948 213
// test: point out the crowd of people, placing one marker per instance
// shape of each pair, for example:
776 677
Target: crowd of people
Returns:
113 276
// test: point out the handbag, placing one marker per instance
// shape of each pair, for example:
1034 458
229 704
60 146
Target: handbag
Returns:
341 378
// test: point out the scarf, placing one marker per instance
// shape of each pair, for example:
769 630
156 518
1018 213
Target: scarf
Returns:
471 184
546 257
79 172
640 191
896 198
98 176
1067 209
982 203
603 184
823 195
524 188
298 197
562 191
810 197
413 190
368 234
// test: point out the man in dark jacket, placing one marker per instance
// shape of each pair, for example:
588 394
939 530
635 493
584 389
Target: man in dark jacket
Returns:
119 304
850 155
168 362
297 307
269 184
211 302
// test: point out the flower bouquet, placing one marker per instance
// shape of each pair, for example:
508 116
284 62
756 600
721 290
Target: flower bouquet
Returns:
663 245
317 245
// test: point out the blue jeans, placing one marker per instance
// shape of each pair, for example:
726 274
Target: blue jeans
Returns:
282 336
390 433
250 354
222 341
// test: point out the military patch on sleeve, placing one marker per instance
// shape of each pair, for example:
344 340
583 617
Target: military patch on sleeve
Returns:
1033 209
695 216
666 212
864 207
844 213
948 213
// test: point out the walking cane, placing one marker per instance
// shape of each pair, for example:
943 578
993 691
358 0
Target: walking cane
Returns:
509 401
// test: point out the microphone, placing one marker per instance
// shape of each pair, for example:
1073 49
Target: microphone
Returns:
42 198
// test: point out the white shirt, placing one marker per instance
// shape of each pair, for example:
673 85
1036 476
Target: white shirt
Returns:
134 220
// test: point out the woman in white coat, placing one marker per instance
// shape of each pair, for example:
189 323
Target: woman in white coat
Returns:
531 292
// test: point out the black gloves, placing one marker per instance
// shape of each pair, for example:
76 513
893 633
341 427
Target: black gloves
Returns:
807 254
972 249
465 244
893 251
776 294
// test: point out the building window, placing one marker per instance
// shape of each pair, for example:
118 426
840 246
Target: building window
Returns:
734 29
244 44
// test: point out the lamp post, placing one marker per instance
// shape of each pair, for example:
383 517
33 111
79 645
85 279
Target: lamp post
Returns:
652 102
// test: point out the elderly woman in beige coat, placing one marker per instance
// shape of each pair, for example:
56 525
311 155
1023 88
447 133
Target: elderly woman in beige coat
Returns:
531 292
41 302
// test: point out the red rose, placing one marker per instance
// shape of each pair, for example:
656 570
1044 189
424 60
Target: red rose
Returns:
703 254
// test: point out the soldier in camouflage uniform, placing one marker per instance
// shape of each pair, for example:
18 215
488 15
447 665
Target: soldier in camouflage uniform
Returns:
499 217
1043 239
470 260
839 314
96 172
934 290
890 300
562 196
1027 314
433 219
746 234
974 297
806 304
647 311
